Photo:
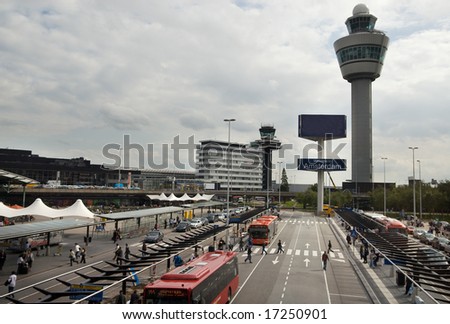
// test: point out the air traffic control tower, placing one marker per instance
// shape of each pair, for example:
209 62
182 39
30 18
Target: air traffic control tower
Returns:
360 56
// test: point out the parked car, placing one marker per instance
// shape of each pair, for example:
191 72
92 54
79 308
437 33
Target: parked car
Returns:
212 217
154 236
205 220
427 238
418 232
183 226
223 217
410 229
441 243
196 223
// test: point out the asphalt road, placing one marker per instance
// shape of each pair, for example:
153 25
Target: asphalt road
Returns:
296 276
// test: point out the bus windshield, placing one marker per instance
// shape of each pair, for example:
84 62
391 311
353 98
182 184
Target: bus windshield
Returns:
258 231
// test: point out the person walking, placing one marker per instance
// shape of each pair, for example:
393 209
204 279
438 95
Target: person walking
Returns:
2 258
408 284
72 257
83 255
119 255
77 248
280 247
121 299
249 255
134 298
115 251
241 245
264 251
330 246
144 249
12 280
127 251
325 259
29 259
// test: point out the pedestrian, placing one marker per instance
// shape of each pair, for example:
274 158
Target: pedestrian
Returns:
361 252
249 242
119 255
115 251
77 251
241 245
330 246
121 299
144 249
349 239
408 285
134 298
280 247
366 253
177 260
221 244
29 258
83 255
72 257
371 258
264 248
11 283
325 259
127 251
116 236
22 265
249 255
2 258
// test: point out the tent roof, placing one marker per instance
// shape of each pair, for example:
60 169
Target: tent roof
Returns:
38 208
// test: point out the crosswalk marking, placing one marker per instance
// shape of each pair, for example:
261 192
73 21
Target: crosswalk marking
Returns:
298 252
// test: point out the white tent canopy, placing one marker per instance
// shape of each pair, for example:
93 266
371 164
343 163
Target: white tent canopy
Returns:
38 208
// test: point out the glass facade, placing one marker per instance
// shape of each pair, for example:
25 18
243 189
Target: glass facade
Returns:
361 52
361 24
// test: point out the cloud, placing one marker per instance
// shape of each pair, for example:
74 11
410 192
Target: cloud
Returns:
77 75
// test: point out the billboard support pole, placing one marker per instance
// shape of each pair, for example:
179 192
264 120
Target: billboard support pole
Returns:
320 178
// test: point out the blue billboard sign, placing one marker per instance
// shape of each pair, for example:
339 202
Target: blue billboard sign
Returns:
327 127
322 164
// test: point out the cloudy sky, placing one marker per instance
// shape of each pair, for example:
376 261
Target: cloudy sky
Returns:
76 76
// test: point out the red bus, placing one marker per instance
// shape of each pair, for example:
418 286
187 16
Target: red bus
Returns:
389 224
263 229
209 279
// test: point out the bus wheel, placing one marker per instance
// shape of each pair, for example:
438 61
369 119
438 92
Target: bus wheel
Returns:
229 296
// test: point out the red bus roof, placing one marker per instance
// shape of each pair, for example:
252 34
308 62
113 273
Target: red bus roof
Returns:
263 220
193 272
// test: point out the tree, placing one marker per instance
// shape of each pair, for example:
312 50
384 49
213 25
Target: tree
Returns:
284 181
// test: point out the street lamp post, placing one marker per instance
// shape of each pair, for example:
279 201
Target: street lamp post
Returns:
228 178
279 184
413 148
420 190
384 185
